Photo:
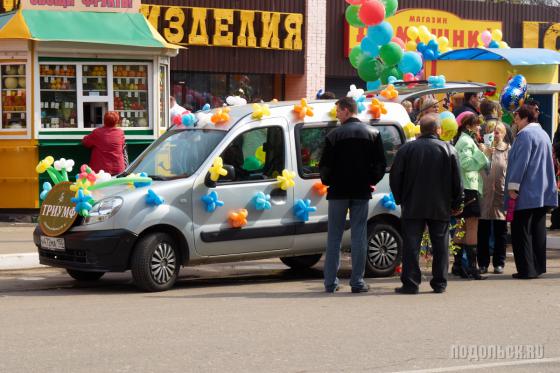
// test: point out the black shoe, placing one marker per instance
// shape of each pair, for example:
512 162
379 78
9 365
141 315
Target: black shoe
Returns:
403 290
522 277
483 270
439 290
333 290
362 289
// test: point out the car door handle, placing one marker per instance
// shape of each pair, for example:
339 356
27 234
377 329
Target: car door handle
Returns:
278 196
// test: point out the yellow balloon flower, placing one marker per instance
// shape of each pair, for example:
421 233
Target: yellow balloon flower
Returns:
303 109
286 181
260 154
260 111
83 184
411 130
332 113
217 169
44 164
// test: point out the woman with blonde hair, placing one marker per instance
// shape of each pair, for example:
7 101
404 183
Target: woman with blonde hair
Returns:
428 105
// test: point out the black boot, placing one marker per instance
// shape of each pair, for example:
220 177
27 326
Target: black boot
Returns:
457 269
473 271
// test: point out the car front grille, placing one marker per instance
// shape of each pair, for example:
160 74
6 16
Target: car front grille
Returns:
68 255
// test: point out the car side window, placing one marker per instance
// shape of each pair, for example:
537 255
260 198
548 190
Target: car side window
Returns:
311 140
258 154
392 141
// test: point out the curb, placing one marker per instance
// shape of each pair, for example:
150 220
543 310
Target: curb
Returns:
19 261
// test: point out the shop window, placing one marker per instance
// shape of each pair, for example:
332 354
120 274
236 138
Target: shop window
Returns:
58 96
258 154
130 88
254 88
14 108
94 80
392 141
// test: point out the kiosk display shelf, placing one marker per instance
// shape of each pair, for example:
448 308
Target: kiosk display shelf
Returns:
131 98
13 98
58 96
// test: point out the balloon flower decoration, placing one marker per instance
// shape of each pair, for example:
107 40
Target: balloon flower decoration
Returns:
492 95
332 112
217 169
211 201
154 199
260 111
436 81
286 180
59 172
377 108
302 109
238 218
221 116
320 188
186 118
388 202
46 189
411 130
261 201
390 93
302 208
514 93
83 203
426 43
491 39
449 126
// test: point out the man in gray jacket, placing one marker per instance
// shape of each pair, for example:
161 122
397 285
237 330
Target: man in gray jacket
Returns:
426 181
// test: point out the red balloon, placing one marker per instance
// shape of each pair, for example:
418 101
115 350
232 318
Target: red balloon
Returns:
354 2
408 77
399 42
177 120
372 12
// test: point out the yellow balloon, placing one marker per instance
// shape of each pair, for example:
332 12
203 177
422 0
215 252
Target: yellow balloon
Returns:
497 35
423 30
448 129
425 38
479 40
260 154
411 46
443 42
503 44
412 33
433 37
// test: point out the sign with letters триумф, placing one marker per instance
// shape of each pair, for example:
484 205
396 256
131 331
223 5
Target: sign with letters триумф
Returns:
57 211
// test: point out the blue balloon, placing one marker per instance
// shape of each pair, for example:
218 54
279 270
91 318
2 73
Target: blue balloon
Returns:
188 120
410 63
433 45
369 48
513 92
380 34
372 86
421 47
206 107
446 114
429 55
494 44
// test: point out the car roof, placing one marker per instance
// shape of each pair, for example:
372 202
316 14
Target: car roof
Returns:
415 89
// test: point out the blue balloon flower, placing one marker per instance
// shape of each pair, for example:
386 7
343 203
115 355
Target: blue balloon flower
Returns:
154 199
388 202
46 189
211 202
83 203
261 201
436 81
393 80
142 184
206 107
302 208
361 102
189 120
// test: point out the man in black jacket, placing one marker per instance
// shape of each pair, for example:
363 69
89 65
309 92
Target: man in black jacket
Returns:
426 181
471 103
353 159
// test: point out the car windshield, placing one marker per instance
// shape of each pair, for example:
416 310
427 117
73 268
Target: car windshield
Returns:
177 153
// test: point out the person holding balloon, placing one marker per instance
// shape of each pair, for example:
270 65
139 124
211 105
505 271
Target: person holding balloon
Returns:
472 160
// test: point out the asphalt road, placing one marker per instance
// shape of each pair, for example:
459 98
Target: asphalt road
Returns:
258 316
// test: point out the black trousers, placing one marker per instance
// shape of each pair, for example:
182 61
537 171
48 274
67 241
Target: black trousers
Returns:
528 236
412 230
500 237
555 217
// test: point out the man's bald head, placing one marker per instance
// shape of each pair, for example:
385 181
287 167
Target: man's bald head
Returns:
430 125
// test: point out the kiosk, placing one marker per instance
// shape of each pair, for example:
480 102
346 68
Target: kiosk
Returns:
62 66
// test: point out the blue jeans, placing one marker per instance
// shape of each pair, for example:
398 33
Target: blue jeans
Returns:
358 224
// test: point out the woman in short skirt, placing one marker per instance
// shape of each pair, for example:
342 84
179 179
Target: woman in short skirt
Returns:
472 159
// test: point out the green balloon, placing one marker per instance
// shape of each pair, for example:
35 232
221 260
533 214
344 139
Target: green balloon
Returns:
352 16
252 164
390 7
370 69
390 71
356 56
391 53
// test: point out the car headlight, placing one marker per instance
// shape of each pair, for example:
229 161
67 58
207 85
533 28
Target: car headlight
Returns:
103 210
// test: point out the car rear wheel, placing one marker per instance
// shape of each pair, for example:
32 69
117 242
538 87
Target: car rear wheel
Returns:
384 251
155 262
301 262
84 276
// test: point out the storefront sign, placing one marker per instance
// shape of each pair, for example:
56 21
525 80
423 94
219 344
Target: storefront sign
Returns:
57 211
545 33
231 27
462 33
116 6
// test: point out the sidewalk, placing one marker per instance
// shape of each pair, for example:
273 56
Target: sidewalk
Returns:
17 250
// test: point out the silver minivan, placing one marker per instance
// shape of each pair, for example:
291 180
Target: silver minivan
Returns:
123 232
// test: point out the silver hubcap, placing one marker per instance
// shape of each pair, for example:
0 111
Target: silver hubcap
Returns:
382 250
163 263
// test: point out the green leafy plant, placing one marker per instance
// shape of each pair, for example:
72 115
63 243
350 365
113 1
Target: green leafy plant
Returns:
457 234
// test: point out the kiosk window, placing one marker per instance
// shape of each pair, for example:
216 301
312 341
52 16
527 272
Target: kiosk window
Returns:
258 154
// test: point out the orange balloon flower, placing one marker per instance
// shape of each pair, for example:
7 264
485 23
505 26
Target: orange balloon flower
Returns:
377 108
238 218
303 109
221 116
320 188
390 93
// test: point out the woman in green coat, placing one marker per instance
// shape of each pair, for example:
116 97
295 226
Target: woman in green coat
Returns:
472 159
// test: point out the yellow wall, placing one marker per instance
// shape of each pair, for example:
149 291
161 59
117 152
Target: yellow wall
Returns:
18 179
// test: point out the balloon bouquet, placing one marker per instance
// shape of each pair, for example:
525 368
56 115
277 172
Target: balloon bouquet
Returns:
381 54
491 39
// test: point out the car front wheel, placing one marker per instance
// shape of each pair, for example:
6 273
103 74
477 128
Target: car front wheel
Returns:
384 251
155 262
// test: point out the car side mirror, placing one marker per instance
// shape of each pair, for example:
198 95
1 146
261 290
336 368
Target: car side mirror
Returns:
229 177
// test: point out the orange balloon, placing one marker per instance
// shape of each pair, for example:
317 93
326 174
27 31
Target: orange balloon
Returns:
238 218
320 188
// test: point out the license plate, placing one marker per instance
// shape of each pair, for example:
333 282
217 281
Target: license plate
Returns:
52 243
